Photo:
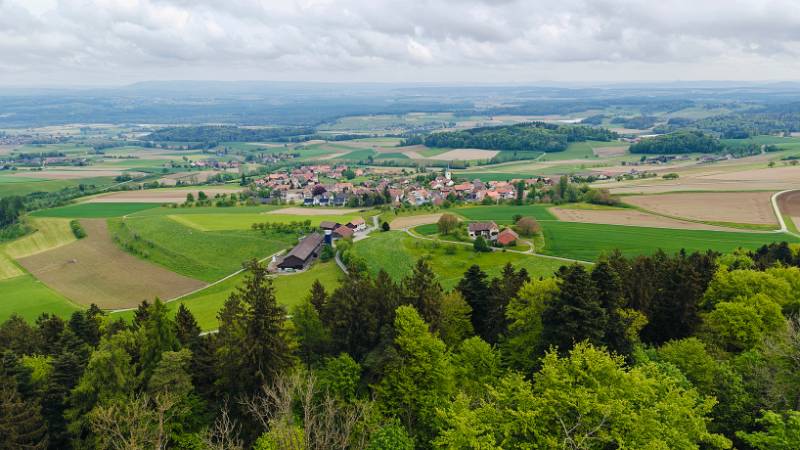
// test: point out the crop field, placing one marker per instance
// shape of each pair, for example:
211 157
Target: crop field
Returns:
32 185
175 195
95 270
587 241
734 207
95 210
28 297
504 213
290 290
49 234
630 217
396 252
206 256
789 204
220 221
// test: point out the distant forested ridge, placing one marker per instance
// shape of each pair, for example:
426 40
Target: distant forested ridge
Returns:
224 134
677 143
533 136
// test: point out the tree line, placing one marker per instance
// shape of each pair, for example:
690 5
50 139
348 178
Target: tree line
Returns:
533 136
695 350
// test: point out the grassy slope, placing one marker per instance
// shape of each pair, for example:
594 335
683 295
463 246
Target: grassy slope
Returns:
289 289
217 222
587 241
28 297
206 256
95 210
396 252
24 188
50 233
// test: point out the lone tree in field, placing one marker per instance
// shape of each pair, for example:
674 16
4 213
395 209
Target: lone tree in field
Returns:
528 226
385 226
480 245
447 223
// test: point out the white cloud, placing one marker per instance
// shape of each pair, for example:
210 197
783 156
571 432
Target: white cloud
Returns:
114 41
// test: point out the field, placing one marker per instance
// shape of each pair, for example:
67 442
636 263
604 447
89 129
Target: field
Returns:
95 210
396 252
735 207
789 204
158 195
50 233
412 221
587 241
465 154
629 217
221 221
289 290
33 185
315 211
95 270
28 297
206 256
504 214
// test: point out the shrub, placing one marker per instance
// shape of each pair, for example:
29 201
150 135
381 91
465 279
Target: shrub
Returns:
447 223
480 245
670 176
528 226
77 229
600 197
385 226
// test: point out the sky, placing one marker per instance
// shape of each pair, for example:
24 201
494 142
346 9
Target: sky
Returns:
114 42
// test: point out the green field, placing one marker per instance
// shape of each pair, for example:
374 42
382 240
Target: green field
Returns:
95 210
397 252
586 241
31 185
504 213
28 297
289 290
218 222
206 256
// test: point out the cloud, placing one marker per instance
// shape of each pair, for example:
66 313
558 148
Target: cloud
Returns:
126 40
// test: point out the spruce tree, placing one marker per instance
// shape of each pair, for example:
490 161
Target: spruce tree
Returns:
318 296
475 290
21 423
422 290
609 291
186 327
576 314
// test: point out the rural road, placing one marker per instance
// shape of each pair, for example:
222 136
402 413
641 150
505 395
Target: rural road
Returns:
781 221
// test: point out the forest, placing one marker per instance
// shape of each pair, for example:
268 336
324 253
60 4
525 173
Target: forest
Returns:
684 351
532 136
678 143
223 133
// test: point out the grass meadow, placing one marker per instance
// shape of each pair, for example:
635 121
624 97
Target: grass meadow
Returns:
221 221
95 210
28 297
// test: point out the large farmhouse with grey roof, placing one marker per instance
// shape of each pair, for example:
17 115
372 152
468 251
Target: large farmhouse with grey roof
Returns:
303 253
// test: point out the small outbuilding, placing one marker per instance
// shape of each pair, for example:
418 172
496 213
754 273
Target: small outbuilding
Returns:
343 232
303 253
357 224
329 225
507 237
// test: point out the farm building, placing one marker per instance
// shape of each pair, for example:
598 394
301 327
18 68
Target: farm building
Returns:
357 224
328 225
343 232
303 253
507 237
488 230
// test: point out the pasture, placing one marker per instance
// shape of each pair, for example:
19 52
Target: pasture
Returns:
206 256
95 210
587 241
504 213
396 252
95 270
221 221
28 298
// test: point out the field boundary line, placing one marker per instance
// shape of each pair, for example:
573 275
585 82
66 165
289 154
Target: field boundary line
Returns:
777 210
227 277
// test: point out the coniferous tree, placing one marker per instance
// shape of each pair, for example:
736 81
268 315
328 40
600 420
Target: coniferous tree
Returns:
609 291
67 370
422 290
318 296
576 314
475 289
186 328
21 423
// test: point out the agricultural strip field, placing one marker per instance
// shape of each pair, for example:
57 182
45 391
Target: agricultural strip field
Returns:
396 252
206 256
789 204
29 186
218 222
157 195
50 233
297 211
412 221
95 270
587 241
290 290
28 297
629 217
95 210
735 207
504 213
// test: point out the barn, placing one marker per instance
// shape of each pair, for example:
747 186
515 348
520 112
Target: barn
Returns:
303 253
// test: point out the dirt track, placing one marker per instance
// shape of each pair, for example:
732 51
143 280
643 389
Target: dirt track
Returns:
95 270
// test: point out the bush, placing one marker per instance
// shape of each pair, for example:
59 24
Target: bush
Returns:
77 229
670 176
600 197
447 224
528 226
385 226
327 253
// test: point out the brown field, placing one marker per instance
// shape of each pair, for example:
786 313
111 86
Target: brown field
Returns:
606 152
789 204
413 221
68 174
155 196
333 155
95 270
465 154
737 207
313 211
7 149
628 217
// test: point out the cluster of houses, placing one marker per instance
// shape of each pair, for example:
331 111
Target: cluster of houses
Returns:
492 233
215 164
309 248
303 186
